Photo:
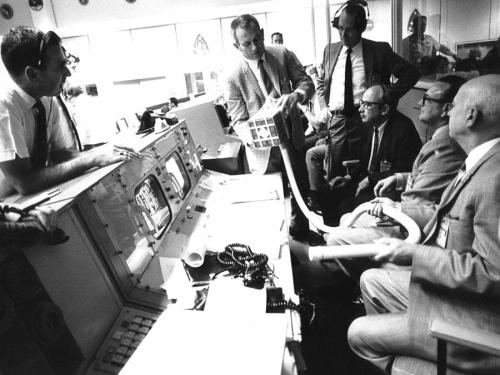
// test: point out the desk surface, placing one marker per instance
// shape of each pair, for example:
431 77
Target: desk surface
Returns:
193 342
71 189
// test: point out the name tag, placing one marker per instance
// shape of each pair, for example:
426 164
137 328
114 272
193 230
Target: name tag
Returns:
385 166
409 182
442 235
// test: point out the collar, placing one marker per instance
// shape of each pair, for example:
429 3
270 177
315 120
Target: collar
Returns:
357 49
255 62
440 130
381 127
478 152
26 98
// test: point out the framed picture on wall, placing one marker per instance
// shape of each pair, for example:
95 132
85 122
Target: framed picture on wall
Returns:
478 48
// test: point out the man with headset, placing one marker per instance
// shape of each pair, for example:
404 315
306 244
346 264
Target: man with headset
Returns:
349 68
35 153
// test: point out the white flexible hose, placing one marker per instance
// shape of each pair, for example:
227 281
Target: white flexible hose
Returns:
315 219
346 251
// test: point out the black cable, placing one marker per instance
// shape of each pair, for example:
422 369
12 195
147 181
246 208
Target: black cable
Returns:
252 267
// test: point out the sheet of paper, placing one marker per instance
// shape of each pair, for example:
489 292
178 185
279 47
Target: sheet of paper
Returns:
228 295
194 342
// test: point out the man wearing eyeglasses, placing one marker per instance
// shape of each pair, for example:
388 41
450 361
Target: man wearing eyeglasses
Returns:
455 271
34 151
435 166
391 146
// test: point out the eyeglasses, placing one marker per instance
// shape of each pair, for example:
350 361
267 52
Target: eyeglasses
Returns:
426 98
367 104
72 61
46 40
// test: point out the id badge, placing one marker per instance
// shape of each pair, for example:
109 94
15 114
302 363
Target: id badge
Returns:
442 235
409 182
385 166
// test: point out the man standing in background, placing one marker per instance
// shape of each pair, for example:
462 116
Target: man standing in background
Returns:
349 68
277 38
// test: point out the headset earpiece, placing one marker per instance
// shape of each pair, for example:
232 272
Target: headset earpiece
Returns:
362 22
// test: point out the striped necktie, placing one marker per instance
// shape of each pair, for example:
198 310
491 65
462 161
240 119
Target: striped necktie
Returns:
268 84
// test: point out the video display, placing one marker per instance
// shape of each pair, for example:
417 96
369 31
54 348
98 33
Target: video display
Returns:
179 177
149 195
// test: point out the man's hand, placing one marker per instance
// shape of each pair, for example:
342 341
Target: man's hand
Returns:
324 116
109 154
377 209
385 186
363 184
339 181
46 217
288 102
397 252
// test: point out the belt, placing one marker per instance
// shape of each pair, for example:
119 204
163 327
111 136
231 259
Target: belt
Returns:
340 112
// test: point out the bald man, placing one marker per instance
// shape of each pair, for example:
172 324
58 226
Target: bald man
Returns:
455 274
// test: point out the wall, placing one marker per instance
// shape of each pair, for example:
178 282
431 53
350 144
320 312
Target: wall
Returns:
22 16
113 13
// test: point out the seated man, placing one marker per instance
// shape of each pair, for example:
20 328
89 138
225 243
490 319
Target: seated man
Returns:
455 274
391 146
34 151
435 166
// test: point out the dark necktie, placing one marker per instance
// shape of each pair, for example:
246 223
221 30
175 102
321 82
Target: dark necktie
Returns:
41 146
270 91
372 167
69 118
348 95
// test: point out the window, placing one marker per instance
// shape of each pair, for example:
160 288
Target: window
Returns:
446 36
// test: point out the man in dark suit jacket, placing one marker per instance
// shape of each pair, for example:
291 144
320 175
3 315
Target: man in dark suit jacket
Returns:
398 142
371 63
455 274
391 146
267 74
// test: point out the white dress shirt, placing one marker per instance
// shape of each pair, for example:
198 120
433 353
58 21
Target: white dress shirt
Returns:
478 152
254 66
336 100
17 128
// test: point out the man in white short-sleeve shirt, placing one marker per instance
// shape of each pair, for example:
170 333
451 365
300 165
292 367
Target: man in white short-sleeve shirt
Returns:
36 64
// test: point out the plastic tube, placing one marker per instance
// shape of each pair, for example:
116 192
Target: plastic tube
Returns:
346 251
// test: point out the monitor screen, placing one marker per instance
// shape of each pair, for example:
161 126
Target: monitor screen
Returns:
149 195
178 175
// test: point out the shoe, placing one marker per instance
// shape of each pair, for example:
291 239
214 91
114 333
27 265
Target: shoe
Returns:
314 201
314 206
312 238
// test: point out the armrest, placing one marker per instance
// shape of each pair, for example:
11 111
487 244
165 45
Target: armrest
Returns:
484 341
